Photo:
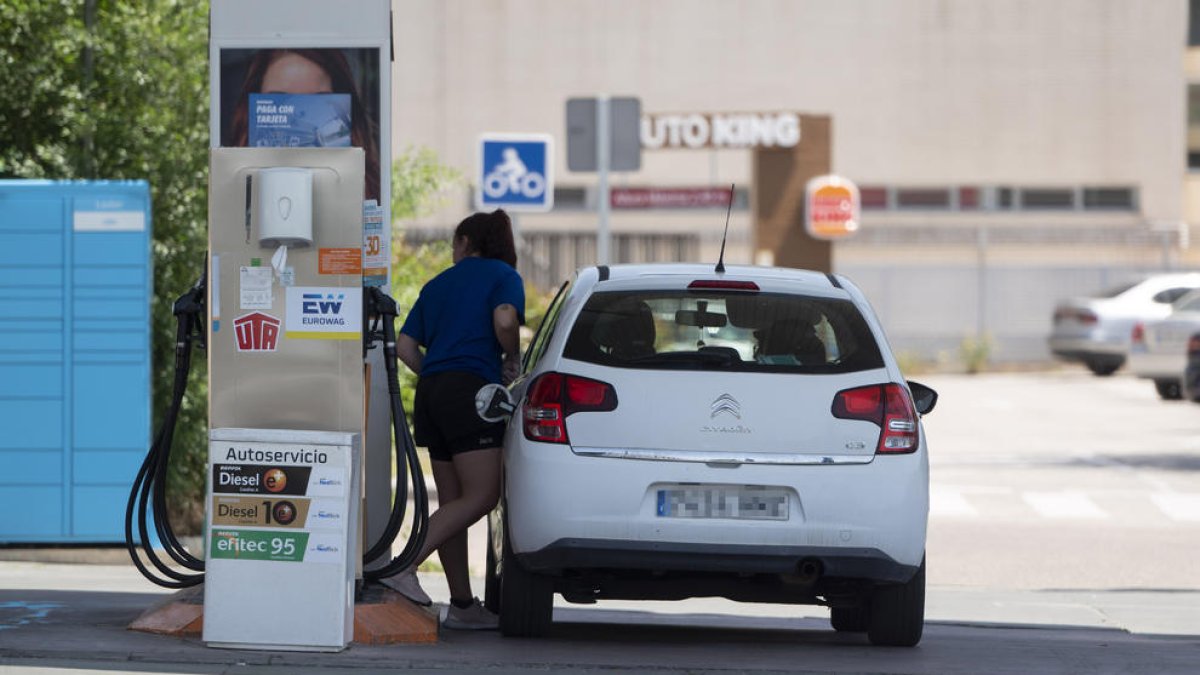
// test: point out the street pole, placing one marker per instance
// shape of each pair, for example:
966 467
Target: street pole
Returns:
602 163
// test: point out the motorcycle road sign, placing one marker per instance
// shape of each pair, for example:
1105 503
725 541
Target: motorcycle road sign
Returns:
516 172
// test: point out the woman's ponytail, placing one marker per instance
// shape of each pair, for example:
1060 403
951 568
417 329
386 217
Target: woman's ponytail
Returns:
489 234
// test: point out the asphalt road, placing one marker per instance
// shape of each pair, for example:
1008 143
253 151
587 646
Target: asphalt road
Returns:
1064 534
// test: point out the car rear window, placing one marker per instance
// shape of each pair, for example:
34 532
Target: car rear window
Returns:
722 331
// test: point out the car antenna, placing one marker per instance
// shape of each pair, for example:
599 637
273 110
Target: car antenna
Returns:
721 260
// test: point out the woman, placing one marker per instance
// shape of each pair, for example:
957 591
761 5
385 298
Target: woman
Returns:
466 319
308 71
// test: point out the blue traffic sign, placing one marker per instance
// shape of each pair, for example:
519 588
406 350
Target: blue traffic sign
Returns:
516 172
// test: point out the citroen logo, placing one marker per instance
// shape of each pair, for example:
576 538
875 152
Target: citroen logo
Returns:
726 404
285 207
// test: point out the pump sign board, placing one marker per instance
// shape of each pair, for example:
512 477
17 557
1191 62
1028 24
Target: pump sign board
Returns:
516 172
831 208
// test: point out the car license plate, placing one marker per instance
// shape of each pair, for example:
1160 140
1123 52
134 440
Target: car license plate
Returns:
741 502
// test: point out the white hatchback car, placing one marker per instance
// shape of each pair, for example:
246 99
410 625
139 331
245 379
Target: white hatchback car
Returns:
683 433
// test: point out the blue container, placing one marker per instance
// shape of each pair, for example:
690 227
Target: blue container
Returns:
75 284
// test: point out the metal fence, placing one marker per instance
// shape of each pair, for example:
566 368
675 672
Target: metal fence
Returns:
1002 286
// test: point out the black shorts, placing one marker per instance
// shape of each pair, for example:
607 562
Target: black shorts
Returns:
444 417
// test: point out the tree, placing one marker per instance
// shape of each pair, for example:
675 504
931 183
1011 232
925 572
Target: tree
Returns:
105 89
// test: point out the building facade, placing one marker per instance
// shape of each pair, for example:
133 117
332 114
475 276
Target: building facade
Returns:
1008 152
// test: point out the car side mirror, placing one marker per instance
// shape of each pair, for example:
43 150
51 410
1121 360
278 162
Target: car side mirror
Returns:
924 398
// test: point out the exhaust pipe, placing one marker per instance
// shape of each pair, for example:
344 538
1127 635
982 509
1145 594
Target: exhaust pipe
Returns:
809 570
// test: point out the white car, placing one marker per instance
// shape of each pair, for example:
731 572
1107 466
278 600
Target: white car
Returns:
1158 349
1096 330
681 433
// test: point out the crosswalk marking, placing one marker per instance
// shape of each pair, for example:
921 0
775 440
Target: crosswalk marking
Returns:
1074 505
950 503
1178 506
1113 506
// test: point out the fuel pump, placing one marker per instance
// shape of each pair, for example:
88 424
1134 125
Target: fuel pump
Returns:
287 404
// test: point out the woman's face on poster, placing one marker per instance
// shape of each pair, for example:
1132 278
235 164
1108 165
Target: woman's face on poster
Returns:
294 74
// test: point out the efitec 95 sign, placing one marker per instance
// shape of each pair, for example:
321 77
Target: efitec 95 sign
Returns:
831 207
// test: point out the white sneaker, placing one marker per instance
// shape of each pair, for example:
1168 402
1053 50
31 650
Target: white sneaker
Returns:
406 584
475 617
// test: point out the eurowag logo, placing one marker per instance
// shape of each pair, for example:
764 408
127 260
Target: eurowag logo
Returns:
324 313
322 309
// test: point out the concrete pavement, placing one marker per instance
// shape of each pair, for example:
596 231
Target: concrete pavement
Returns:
70 616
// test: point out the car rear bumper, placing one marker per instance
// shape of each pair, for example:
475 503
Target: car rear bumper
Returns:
853 511
1082 349
598 554
1157 366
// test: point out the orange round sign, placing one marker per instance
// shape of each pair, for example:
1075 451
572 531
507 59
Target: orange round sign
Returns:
831 208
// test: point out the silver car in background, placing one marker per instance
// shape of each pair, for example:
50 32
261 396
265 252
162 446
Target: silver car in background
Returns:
1158 349
1096 330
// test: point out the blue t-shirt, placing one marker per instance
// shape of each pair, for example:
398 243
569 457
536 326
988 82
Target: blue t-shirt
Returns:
452 318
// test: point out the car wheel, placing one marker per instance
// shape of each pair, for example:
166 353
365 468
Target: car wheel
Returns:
1168 390
526 598
1102 367
897 613
849 619
491 578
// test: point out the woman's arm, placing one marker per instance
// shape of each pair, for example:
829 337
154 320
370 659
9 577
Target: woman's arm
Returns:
409 352
507 326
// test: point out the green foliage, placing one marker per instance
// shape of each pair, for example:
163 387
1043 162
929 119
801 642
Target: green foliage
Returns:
420 184
121 92
975 350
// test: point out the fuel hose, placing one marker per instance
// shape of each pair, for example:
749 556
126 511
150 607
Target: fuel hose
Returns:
147 498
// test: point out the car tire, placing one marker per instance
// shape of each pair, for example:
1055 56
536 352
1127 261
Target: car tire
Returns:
849 619
1102 367
1169 390
897 613
526 598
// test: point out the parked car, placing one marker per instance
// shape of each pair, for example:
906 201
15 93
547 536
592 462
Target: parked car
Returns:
1096 330
1158 349
1191 372
686 433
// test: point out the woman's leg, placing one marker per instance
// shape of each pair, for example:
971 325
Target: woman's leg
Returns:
477 475
454 549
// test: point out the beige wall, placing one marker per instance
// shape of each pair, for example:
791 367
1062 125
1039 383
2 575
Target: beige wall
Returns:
1022 92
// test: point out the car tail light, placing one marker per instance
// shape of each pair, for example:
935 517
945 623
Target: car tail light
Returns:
722 285
890 407
1193 346
1138 335
1084 316
552 397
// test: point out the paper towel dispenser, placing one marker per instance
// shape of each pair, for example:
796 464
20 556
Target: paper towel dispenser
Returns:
285 209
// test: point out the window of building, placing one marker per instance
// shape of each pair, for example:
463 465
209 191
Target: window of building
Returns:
923 198
1004 198
1194 23
1104 198
873 197
968 198
570 198
1047 198
1193 126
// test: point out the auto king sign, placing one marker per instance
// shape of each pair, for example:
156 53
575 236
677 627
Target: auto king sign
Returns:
831 208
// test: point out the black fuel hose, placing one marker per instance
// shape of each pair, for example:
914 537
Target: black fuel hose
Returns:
149 487
147 497
408 466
